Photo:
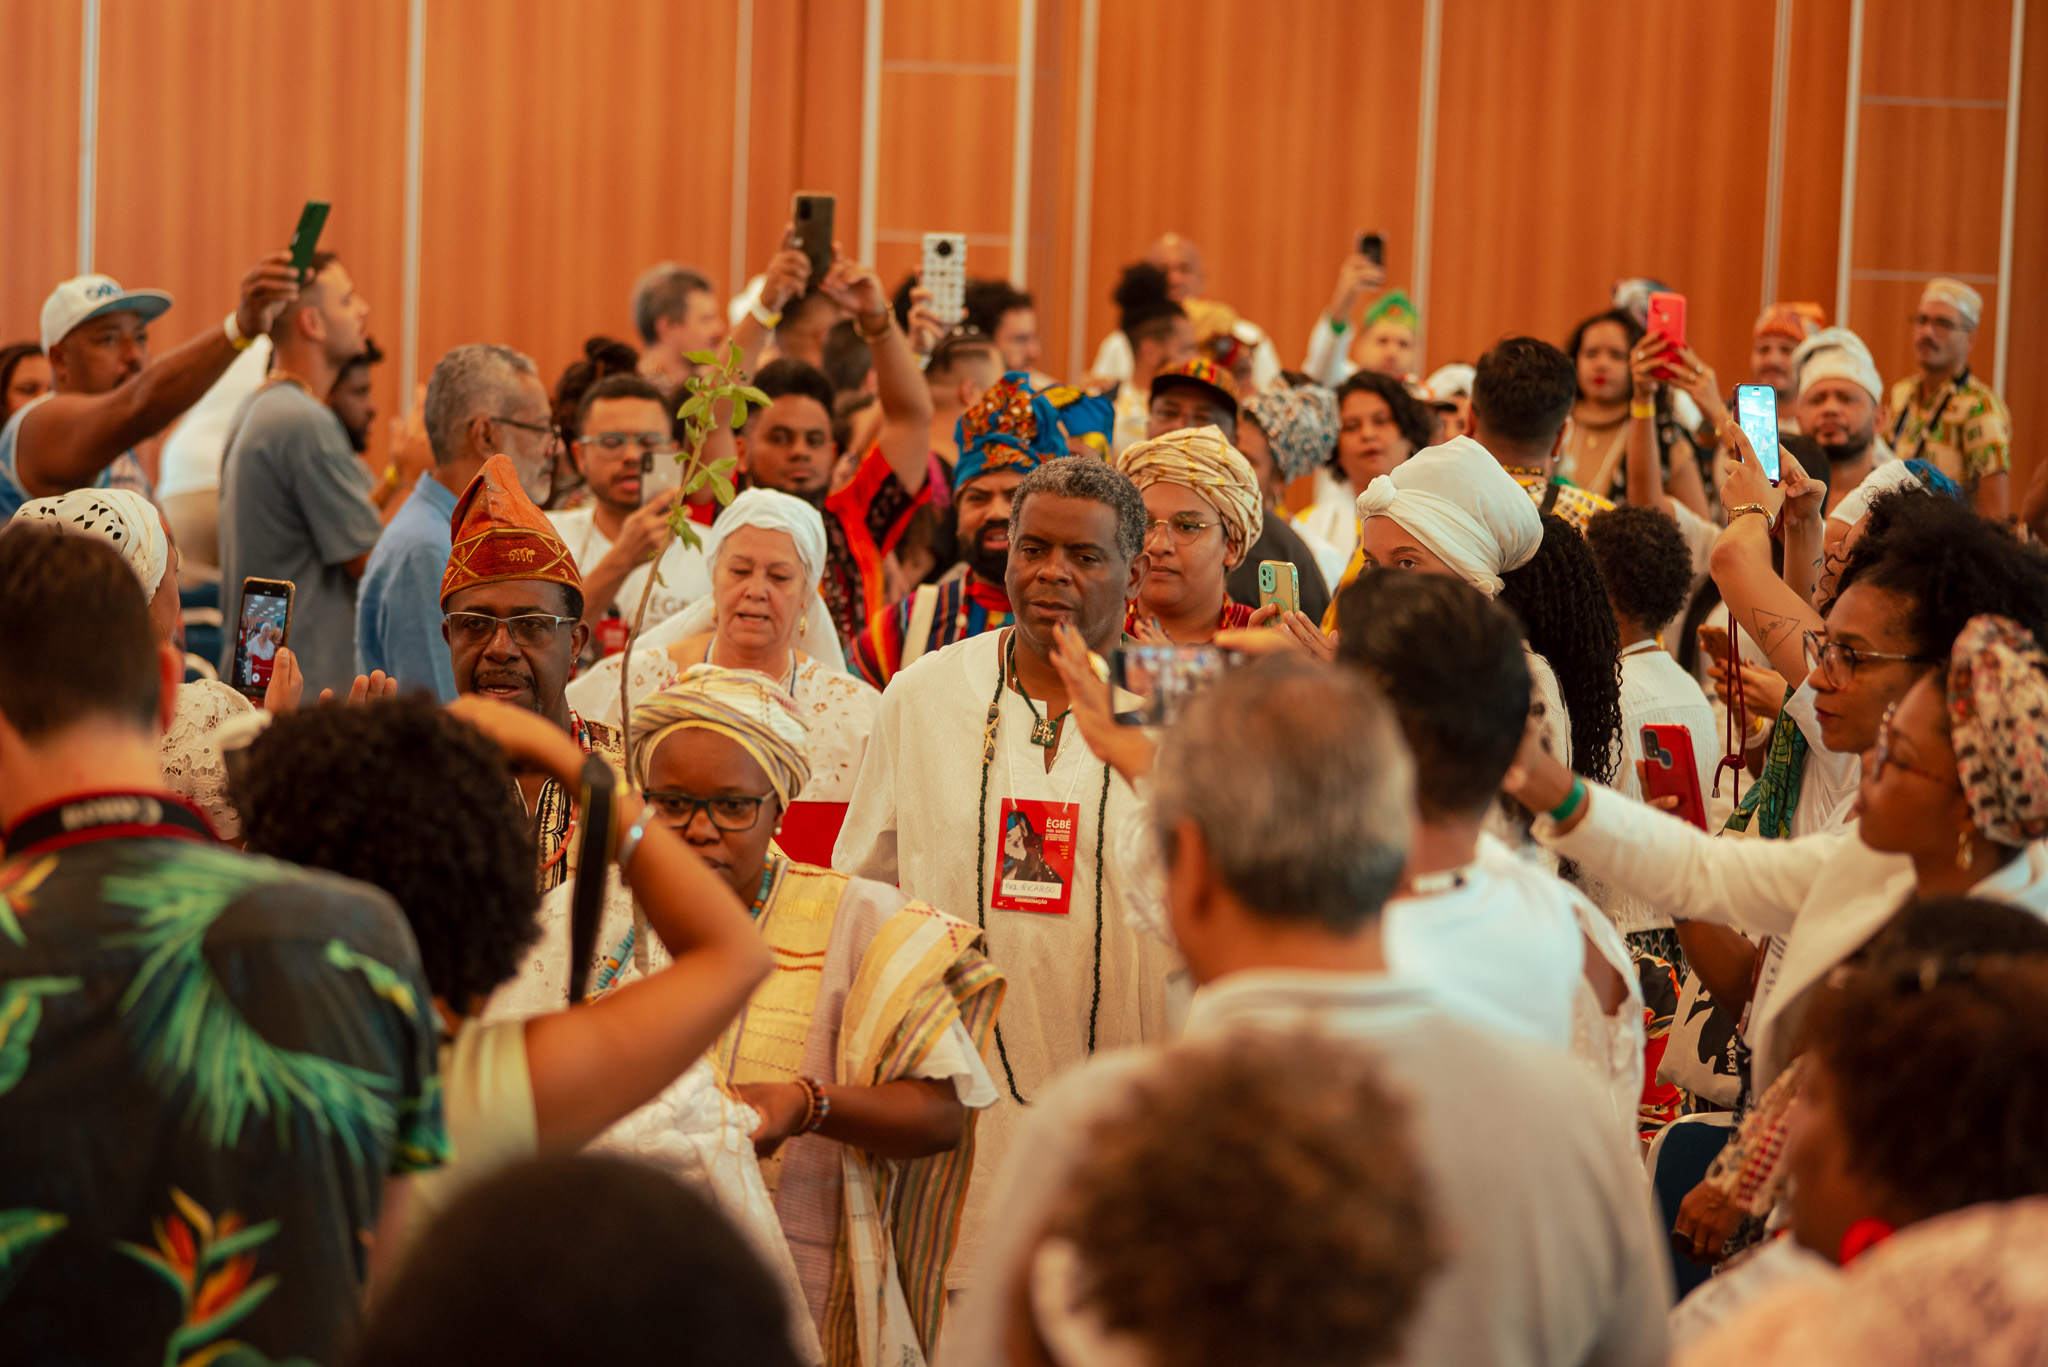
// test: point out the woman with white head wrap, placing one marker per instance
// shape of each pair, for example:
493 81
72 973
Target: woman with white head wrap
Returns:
189 750
764 613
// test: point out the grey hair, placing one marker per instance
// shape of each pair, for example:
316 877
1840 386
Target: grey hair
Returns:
479 378
1297 777
1087 477
664 292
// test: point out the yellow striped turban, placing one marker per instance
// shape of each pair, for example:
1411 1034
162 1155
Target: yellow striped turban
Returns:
1201 459
739 704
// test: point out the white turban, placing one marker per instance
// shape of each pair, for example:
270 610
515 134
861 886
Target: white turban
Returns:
121 516
1958 296
1837 354
770 510
1458 501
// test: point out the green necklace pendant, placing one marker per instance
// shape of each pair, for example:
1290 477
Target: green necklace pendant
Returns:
1044 734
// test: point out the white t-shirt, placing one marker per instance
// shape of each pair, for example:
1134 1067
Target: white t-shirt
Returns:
192 454
684 576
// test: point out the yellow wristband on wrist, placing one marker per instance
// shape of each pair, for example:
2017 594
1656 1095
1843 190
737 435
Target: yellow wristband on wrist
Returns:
234 334
1642 410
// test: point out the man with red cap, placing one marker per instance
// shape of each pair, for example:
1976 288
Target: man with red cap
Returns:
512 614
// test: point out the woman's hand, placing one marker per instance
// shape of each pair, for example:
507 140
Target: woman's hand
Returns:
371 687
1126 749
1743 478
281 696
1805 496
1147 631
528 739
1763 690
1698 380
783 1107
1646 362
1706 1217
1289 631
1536 779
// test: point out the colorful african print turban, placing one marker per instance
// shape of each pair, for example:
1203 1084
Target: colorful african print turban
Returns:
1998 723
1395 307
499 535
1200 459
1011 427
1794 322
1086 418
739 704
121 516
1300 423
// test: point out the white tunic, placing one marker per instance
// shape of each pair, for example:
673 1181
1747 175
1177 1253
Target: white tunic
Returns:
684 576
913 822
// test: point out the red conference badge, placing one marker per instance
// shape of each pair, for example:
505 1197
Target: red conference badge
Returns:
1035 871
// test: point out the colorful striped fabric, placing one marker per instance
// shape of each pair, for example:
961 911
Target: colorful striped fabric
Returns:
967 607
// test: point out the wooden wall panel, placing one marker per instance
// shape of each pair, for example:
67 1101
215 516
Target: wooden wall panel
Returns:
1815 106
220 118
1582 142
39 72
2025 382
805 117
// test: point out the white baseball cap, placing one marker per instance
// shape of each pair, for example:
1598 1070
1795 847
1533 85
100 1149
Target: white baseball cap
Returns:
89 296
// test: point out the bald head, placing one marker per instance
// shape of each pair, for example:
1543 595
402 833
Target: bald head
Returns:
1182 262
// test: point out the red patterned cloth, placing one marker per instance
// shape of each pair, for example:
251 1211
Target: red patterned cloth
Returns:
498 535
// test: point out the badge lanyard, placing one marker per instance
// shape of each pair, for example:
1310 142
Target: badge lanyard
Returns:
988 755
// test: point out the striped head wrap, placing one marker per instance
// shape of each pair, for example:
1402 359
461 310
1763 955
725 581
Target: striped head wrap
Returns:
1200 459
739 704
1998 724
1958 296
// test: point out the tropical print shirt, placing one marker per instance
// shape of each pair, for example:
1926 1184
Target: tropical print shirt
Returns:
1963 427
209 1063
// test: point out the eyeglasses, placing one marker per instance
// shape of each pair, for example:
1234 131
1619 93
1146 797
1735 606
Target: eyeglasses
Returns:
1884 759
1184 528
1928 320
547 429
1838 663
480 628
655 443
679 809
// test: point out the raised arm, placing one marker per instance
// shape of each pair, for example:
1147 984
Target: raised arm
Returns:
1770 610
906 399
789 271
68 439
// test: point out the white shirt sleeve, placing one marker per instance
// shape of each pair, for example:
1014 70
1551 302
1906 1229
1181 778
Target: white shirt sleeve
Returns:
1329 358
866 847
1113 358
954 1058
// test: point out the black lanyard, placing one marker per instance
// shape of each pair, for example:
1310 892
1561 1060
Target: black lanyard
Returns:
109 816
1955 387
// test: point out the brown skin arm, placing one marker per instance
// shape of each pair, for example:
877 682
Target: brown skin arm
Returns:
907 1118
1992 497
906 399
1725 960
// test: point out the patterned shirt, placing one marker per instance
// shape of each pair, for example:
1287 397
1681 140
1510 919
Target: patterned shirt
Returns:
863 523
1236 617
1573 504
209 1063
966 607
1963 428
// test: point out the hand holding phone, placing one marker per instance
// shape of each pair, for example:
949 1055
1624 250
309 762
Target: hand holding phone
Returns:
1670 770
1756 412
1280 582
263 621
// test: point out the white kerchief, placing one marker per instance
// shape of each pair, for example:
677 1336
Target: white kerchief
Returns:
121 516
1463 506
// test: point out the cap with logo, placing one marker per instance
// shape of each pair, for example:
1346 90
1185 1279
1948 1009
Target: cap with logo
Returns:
88 296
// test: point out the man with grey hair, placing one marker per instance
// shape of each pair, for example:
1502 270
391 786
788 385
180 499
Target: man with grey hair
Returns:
676 312
1282 814
481 400
978 798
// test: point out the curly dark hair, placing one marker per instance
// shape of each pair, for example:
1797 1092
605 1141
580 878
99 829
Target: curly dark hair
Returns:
403 796
1958 925
1645 562
1552 594
1256 1202
1951 564
986 301
603 357
1143 308
1416 419
1939 1065
1089 479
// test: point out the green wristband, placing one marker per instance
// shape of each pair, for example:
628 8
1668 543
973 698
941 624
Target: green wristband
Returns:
1563 811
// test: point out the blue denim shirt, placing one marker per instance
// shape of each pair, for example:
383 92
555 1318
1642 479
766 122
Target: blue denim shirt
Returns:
398 605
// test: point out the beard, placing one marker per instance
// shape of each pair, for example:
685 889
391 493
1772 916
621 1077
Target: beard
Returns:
985 563
1847 451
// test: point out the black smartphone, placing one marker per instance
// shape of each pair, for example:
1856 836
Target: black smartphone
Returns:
1164 677
593 862
263 626
306 237
811 217
1374 247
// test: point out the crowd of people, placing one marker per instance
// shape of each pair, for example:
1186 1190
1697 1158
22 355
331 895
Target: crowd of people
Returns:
1584 901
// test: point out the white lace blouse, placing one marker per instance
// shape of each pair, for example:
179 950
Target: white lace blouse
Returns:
190 751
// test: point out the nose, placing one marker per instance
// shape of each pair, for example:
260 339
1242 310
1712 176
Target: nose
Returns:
494 651
700 829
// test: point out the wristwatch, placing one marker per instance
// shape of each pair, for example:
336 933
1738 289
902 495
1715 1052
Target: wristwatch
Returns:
1770 520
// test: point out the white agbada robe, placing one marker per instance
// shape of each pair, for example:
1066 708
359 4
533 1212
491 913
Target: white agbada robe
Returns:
912 822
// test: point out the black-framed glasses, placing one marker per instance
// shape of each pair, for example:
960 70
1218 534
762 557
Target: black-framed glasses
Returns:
1838 663
1184 528
532 629
546 429
729 813
1885 759
612 443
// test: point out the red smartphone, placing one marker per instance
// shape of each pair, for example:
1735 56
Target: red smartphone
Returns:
1667 320
1669 770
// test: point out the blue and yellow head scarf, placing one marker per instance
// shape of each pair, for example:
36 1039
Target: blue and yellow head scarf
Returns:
1014 427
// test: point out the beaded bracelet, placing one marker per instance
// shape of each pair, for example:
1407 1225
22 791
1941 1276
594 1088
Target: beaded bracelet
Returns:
817 1106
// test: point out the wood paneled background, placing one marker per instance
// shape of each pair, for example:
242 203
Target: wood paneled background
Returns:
565 147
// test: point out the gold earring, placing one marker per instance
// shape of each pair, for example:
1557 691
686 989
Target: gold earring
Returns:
803 624
1965 856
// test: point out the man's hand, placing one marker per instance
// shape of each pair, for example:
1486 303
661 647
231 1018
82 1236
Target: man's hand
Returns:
281 696
787 276
783 1107
926 327
371 687
1706 1217
529 740
645 531
1358 275
854 287
266 289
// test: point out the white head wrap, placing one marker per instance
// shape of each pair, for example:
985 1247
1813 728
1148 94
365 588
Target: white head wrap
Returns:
1837 354
1463 506
1453 381
773 511
121 516
1958 296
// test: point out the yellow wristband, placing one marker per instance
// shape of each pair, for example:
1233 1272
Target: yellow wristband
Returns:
1642 410
235 337
764 317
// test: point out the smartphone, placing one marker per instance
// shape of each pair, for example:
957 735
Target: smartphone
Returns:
263 626
586 900
1280 582
1374 247
1756 409
1670 770
1165 677
944 273
1714 640
811 216
660 471
1667 320
306 236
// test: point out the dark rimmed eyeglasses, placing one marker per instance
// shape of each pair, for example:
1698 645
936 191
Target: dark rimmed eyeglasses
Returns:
546 429
679 809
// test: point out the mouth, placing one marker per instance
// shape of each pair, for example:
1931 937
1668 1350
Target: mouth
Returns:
627 489
503 689
1051 610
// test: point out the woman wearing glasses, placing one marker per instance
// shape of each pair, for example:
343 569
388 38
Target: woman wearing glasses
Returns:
1203 509
766 554
863 1050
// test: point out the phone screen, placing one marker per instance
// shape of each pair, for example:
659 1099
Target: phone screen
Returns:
261 629
1164 677
1373 246
1756 409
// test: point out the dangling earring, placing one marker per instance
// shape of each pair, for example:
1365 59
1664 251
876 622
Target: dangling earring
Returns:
1965 856
803 623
